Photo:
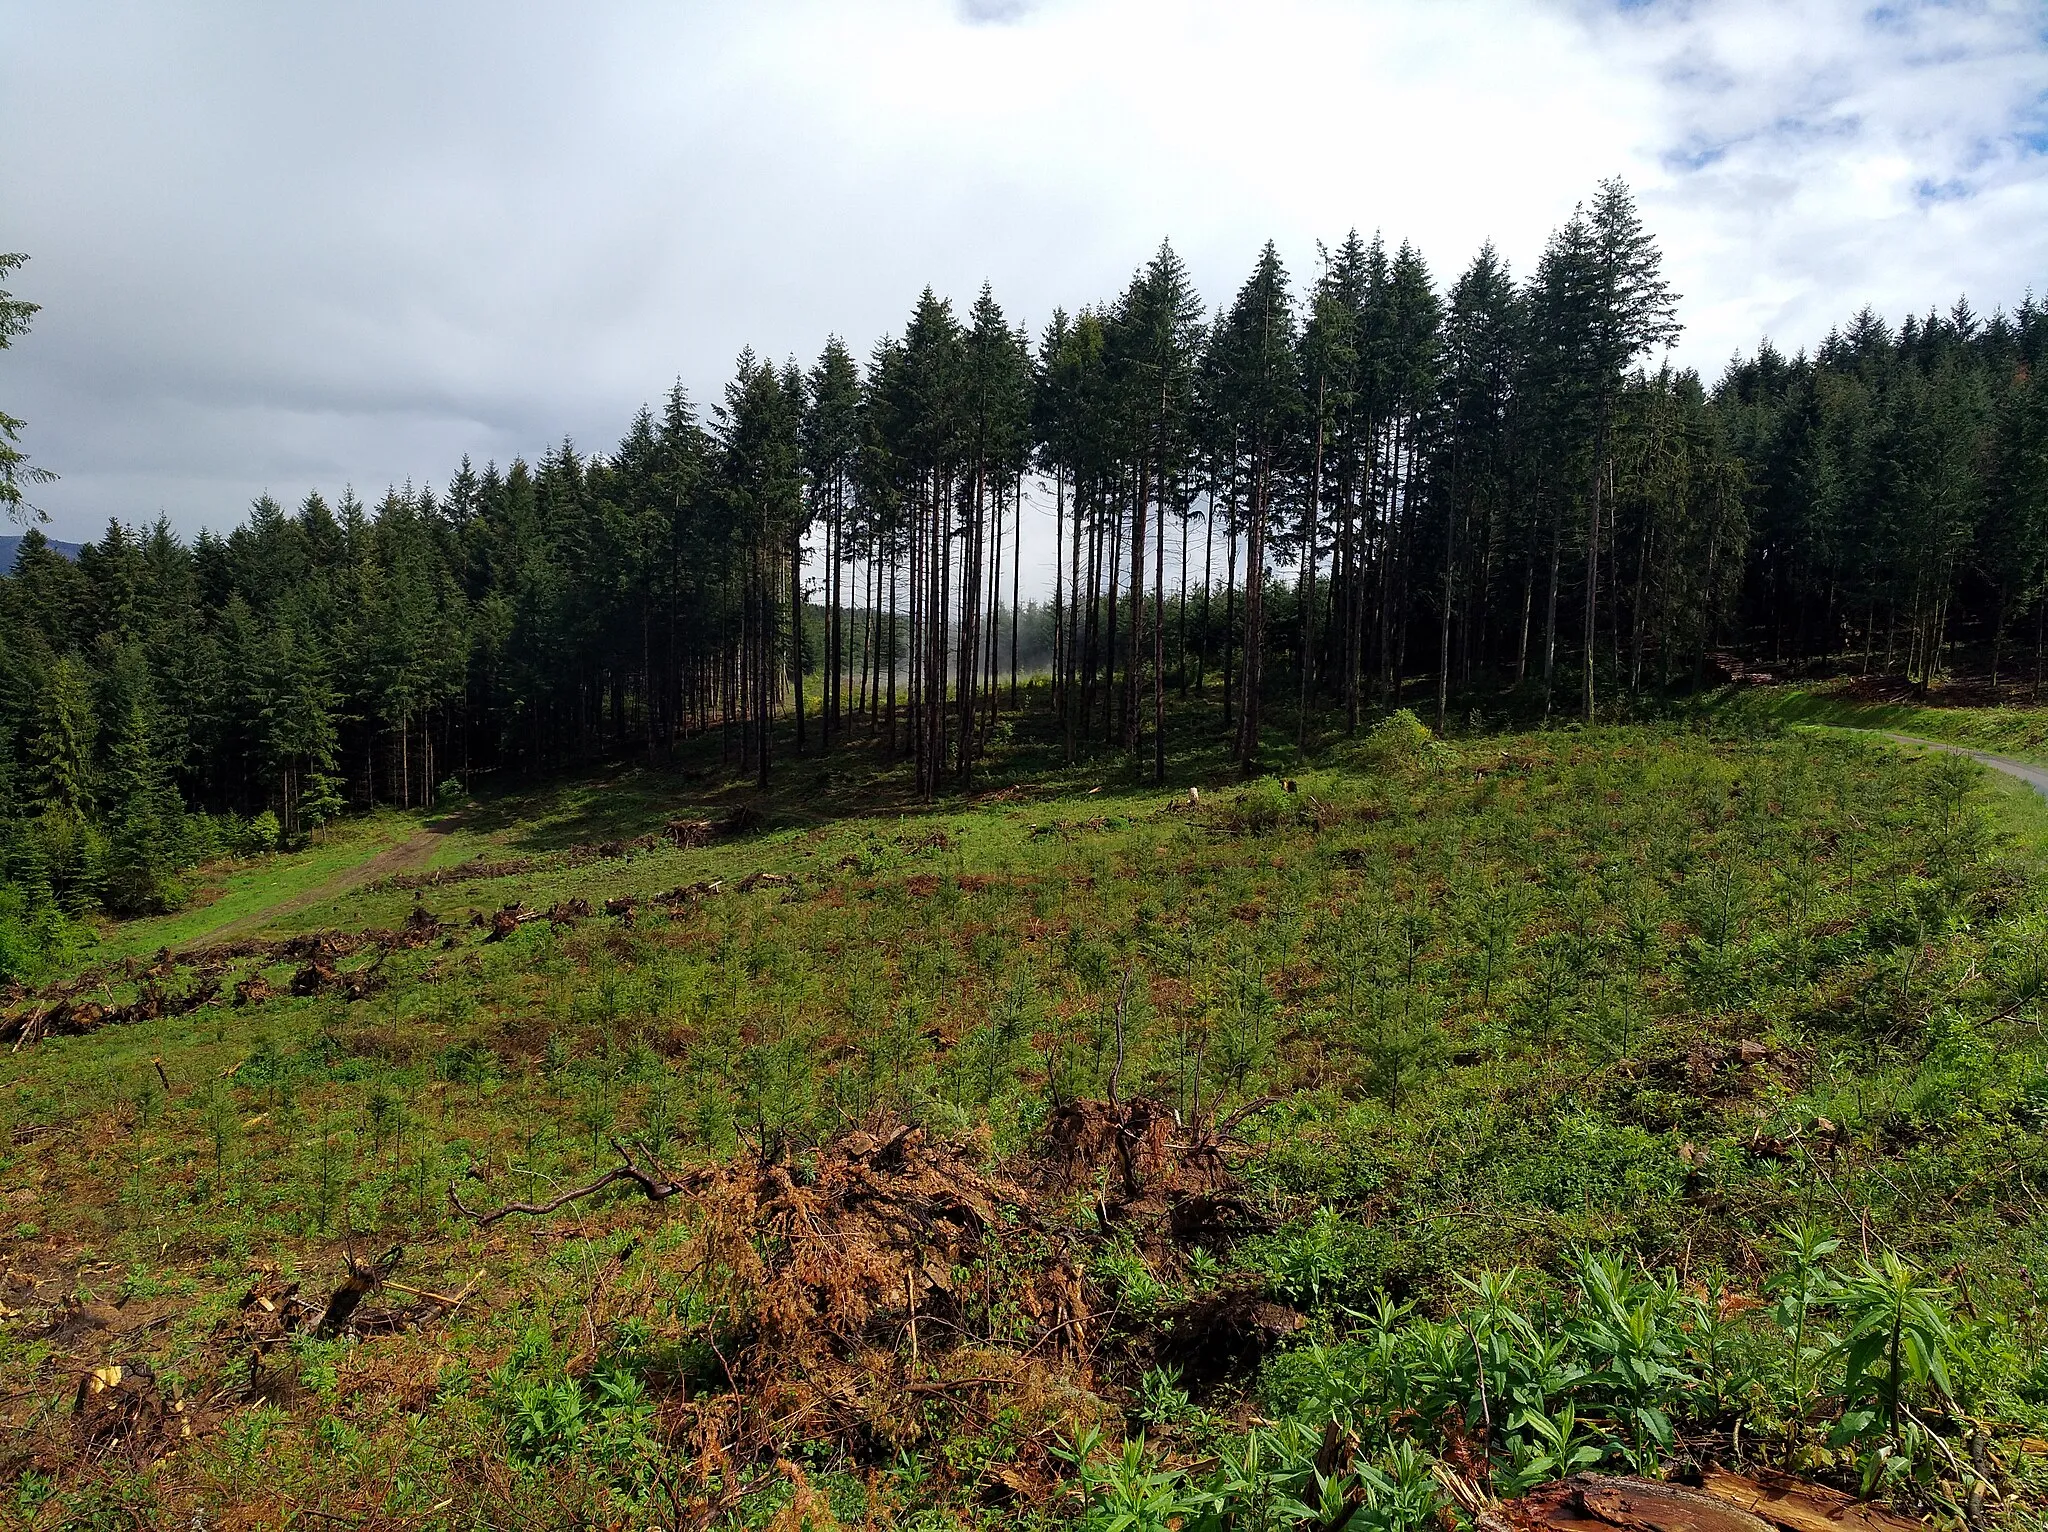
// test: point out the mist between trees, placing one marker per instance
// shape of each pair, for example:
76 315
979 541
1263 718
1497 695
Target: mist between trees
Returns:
1370 490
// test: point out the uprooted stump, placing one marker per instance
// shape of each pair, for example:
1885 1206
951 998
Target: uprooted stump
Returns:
253 990
271 1315
884 1267
1172 1188
509 919
690 893
879 1240
900 1268
121 1410
1224 1335
686 834
69 1016
364 1278
896 1279
321 977
1133 1139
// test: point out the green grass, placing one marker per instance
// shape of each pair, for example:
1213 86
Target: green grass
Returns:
2021 732
1651 994
234 891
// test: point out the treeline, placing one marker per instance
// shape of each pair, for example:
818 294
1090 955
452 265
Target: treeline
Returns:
1897 493
1314 501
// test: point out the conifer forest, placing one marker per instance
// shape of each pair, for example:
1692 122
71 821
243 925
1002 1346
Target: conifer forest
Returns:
1370 488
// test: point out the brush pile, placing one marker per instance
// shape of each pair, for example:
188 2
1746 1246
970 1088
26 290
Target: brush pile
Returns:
900 1267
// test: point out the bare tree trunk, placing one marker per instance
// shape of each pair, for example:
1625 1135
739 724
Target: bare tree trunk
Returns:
1112 597
1135 655
1229 606
1182 638
1593 564
1443 654
1159 638
1305 587
971 550
1017 579
1208 584
891 640
1550 613
796 632
1059 594
1254 616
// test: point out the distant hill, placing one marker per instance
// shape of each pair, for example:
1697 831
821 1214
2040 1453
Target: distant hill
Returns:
9 546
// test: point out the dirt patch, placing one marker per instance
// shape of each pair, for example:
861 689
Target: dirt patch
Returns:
408 853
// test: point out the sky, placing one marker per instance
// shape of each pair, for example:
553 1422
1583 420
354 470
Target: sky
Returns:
287 247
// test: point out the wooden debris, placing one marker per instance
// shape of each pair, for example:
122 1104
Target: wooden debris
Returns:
656 1187
686 833
363 1279
1723 1502
1798 1506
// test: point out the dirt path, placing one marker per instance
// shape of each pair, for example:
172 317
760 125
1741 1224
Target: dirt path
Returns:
2035 777
414 851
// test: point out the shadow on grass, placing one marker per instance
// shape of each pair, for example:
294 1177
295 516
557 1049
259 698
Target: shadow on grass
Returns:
857 777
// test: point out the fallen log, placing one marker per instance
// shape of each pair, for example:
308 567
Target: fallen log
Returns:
1723 1502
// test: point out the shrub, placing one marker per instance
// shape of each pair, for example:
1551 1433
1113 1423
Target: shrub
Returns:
253 837
1397 740
321 801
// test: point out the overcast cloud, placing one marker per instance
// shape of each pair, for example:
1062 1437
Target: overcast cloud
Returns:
281 247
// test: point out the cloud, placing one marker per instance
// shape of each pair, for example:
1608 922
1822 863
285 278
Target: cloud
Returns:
986 12
281 247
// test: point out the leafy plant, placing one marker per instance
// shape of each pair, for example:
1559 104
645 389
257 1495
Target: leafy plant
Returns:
1126 1491
1896 1333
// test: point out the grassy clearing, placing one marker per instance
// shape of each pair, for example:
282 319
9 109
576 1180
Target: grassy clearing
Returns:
2016 731
236 892
1517 1104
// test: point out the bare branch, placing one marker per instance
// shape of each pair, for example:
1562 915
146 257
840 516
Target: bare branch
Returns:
1116 1071
655 1188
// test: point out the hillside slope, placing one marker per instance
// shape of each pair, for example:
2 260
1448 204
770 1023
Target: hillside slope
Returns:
1517 1104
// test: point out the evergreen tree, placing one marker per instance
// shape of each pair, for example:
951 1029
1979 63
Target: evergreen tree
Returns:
16 472
1262 400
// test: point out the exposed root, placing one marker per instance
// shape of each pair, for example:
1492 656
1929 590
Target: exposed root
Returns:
120 1410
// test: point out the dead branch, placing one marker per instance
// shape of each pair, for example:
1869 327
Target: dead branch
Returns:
433 1297
1242 1115
1117 1069
656 1188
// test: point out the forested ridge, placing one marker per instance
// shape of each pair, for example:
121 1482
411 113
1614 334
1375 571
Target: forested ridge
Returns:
1322 499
